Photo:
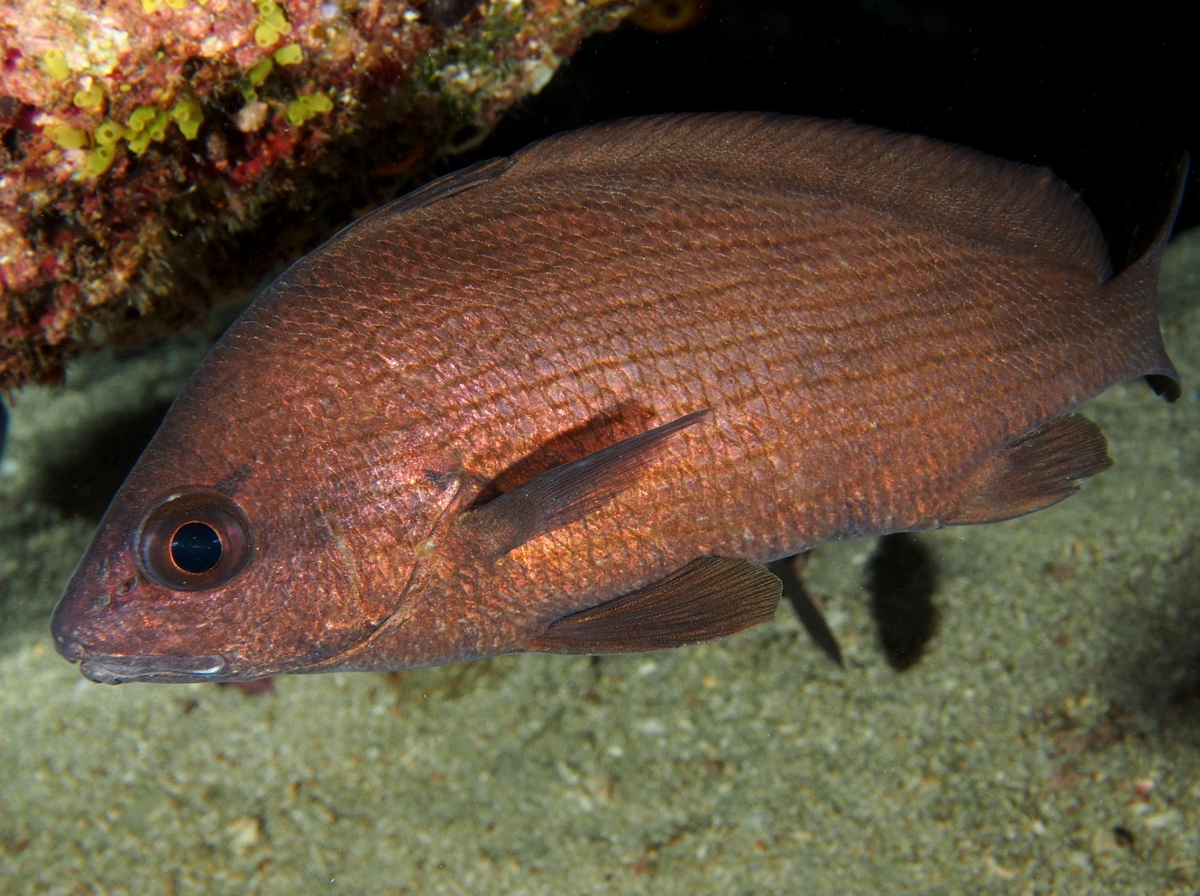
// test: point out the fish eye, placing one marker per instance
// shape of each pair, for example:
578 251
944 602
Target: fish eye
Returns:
194 542
196 547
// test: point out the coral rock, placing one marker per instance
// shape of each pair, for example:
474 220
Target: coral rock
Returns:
157 154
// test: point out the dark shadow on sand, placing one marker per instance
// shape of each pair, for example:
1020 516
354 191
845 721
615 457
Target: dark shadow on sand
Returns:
901 580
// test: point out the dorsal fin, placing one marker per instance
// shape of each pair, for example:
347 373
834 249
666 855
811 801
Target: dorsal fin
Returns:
438 189
985 198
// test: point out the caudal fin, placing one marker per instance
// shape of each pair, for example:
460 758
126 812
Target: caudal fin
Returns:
1136 289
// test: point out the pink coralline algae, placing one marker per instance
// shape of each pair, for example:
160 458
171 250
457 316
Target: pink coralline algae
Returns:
157 154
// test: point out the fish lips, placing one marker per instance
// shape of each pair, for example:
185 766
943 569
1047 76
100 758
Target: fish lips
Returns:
168 669
76 642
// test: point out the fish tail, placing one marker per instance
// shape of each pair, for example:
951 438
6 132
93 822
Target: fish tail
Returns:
1135 293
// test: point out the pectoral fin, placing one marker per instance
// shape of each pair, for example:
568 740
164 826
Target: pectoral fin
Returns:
710 598
1038 470
570 492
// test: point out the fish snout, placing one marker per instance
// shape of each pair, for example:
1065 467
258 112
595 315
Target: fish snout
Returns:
77 614
82 627
69 649
72 640
64 627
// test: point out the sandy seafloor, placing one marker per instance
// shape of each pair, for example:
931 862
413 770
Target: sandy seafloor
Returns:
1047 742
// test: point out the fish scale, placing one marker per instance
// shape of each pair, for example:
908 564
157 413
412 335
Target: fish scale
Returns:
572 400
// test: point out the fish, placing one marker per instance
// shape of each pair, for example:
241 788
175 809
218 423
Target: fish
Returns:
574 400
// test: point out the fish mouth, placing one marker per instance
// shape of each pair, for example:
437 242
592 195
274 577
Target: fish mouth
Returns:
168 669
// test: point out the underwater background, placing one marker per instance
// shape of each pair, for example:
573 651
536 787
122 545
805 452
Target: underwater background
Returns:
1046 739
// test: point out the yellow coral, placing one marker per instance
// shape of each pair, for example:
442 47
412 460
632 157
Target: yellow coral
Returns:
157 129
66 136
298 113
259 72
188 116
54 63
276 19
109 133
91 98
139 143
271 24
301 109
187 108
140 117
265 36
98 160
289 55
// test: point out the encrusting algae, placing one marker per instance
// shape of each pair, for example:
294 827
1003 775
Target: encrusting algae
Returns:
141 135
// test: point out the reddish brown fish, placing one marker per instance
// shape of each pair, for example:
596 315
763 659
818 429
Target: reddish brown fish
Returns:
570 400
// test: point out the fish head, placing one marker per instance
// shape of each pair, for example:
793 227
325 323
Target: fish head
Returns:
159 591
261 532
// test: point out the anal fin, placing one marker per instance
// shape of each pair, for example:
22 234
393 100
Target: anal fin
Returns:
710 598
1034 472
